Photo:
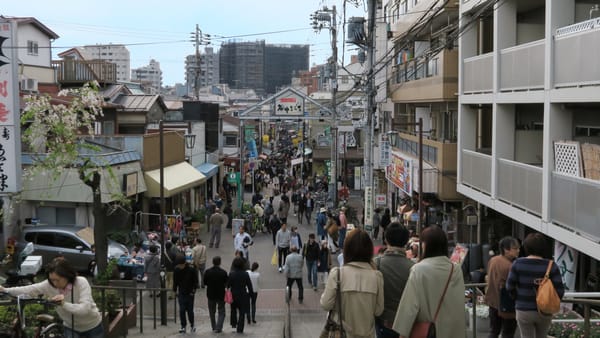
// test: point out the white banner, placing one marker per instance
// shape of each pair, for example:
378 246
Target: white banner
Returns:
566 259
368 208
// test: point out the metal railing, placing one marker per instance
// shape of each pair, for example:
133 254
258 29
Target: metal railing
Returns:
587 299
134 295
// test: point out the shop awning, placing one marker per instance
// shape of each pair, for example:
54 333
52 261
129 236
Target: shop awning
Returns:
208 169
177 178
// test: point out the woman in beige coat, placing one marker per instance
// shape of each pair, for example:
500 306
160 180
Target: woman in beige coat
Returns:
425 286
361 287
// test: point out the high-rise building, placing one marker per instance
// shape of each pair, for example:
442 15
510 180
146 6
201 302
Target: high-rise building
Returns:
117 54
150 77
208 73
281 63
256 65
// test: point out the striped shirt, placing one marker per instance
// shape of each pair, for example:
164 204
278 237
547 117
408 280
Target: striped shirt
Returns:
523 274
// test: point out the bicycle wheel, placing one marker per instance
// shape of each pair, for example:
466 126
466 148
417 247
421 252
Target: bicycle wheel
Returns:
52 331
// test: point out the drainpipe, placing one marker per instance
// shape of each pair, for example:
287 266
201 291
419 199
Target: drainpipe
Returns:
479 141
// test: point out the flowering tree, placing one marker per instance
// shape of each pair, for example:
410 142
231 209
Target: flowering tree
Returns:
53 132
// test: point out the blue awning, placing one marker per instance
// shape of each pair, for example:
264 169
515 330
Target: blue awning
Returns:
208 169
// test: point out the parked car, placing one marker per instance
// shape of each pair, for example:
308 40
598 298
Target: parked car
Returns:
72 242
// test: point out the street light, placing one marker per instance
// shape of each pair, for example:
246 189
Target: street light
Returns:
190 142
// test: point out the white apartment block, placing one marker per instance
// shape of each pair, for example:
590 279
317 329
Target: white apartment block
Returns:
529 86
208 73
150 77
117 54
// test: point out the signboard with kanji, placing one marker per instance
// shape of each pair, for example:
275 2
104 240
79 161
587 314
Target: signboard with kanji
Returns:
399 172
10 136
289 104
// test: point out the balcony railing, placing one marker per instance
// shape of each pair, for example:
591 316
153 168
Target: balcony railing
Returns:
575 204
477 170
520 185
478 74
576 49
80 71
522 66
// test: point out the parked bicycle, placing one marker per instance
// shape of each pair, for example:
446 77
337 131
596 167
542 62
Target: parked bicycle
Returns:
46 325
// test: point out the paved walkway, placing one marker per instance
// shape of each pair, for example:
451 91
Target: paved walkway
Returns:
307 318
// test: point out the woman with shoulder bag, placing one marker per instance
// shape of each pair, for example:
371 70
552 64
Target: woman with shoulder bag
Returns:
434 292
360 297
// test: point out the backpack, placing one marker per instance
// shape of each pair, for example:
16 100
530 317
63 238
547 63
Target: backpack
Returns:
269 209
546 298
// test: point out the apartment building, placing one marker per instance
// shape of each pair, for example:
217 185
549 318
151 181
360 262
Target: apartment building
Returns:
149 76
117 54
528 127
420 82
202 72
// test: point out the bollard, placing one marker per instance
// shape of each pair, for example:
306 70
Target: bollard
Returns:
163 298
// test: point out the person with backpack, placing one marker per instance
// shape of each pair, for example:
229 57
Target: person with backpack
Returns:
523 278
185 284
268 212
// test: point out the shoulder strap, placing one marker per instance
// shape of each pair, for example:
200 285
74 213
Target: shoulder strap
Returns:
547 275
444 293
338 294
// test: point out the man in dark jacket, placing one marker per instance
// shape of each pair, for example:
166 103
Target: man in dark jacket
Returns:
311 254
215 280
395 268
185 284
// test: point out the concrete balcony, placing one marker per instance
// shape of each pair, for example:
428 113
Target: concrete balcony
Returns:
477 171
520 185
576 52
522 67
478 74
426 79
574 205
81 71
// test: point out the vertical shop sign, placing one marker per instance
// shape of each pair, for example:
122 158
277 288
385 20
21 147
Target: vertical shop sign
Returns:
10 136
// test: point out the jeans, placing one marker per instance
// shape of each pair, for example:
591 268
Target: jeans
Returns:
97 332
499 324
213 306
281 254
186 306
311 267
215 236
290 282
252 312
308 213
201 269
342 232
533 324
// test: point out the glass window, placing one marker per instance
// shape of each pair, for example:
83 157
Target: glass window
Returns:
45 238
32 47
67 241
231 140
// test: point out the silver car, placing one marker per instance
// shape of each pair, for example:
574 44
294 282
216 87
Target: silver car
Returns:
72 242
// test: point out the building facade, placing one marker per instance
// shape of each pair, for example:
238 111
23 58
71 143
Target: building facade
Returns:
528 124
150 77
117 54
259 66
202 72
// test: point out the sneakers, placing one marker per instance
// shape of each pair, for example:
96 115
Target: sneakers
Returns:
182 330
193 329
315 288
280 270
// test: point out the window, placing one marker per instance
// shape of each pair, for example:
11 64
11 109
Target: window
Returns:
32 47
67 241
45 238
344 78
231 141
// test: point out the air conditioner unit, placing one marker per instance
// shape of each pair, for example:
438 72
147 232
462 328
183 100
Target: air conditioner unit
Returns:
29 85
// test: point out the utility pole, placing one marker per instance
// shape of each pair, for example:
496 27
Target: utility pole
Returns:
198 64
370 111
198 39
326 18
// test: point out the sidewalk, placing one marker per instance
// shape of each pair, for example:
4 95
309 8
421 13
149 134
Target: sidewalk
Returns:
307 318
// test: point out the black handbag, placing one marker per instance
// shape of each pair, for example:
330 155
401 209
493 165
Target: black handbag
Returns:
333 329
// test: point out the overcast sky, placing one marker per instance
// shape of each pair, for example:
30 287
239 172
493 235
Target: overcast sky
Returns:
161 30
